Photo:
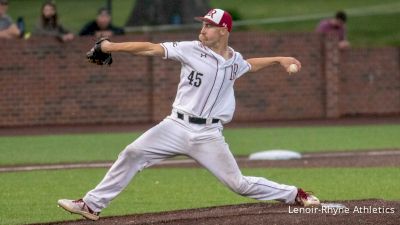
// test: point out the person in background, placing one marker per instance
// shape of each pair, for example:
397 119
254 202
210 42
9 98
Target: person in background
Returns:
49 25
335 25
8 29
102 26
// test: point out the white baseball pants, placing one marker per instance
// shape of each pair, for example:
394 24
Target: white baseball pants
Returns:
203 143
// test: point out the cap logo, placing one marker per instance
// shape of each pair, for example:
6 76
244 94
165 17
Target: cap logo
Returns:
211 13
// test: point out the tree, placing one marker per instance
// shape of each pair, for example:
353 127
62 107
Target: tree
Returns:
159 12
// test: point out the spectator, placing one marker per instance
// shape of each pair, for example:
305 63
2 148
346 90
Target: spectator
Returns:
49 26
102 26
8 29
335 25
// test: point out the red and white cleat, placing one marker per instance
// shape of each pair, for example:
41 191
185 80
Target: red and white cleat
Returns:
306 199
78 207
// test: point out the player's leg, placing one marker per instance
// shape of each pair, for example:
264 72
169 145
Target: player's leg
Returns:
130 161
217 158
158 143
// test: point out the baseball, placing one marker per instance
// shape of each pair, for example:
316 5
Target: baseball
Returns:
293 68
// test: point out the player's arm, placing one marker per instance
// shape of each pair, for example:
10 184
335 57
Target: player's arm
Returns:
136 48
260 63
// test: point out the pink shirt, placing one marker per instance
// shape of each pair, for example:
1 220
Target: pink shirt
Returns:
325 26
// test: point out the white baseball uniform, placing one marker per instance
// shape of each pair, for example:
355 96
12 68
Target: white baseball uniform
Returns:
204 101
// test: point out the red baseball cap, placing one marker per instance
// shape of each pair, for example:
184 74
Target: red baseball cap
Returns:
217 17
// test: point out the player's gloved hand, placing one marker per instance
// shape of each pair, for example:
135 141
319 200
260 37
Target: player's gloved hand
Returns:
95 55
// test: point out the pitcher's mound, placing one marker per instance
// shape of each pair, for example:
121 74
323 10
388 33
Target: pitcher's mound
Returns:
357 212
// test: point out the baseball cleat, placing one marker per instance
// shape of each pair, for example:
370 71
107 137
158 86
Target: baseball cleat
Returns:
306 199
78 207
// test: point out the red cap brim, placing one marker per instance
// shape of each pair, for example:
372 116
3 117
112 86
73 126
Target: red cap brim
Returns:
203 19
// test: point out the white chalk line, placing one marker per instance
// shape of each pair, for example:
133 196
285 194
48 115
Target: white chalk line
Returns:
351 153
185 161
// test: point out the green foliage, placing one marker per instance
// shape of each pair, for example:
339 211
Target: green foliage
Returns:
259 9
375 29
73 14
31 197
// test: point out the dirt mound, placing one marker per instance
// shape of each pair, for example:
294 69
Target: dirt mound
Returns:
357 212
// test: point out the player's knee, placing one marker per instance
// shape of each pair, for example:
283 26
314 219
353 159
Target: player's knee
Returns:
131 151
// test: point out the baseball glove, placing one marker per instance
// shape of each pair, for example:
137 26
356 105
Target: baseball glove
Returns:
96 56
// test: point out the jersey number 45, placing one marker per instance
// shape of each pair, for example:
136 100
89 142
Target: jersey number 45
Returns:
195 78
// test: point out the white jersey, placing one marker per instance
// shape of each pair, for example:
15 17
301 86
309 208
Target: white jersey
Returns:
206 82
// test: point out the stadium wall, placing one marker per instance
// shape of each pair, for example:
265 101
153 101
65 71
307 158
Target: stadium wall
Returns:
44 82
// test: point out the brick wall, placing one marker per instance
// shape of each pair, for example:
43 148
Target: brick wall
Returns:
272 93
369 81
44 82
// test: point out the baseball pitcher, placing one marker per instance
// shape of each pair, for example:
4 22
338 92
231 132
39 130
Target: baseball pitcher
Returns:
204 102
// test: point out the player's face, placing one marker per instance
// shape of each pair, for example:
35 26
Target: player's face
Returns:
210 34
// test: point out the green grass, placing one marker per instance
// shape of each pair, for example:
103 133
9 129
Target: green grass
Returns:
244 141
314 139
30 197
375 30
63 148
